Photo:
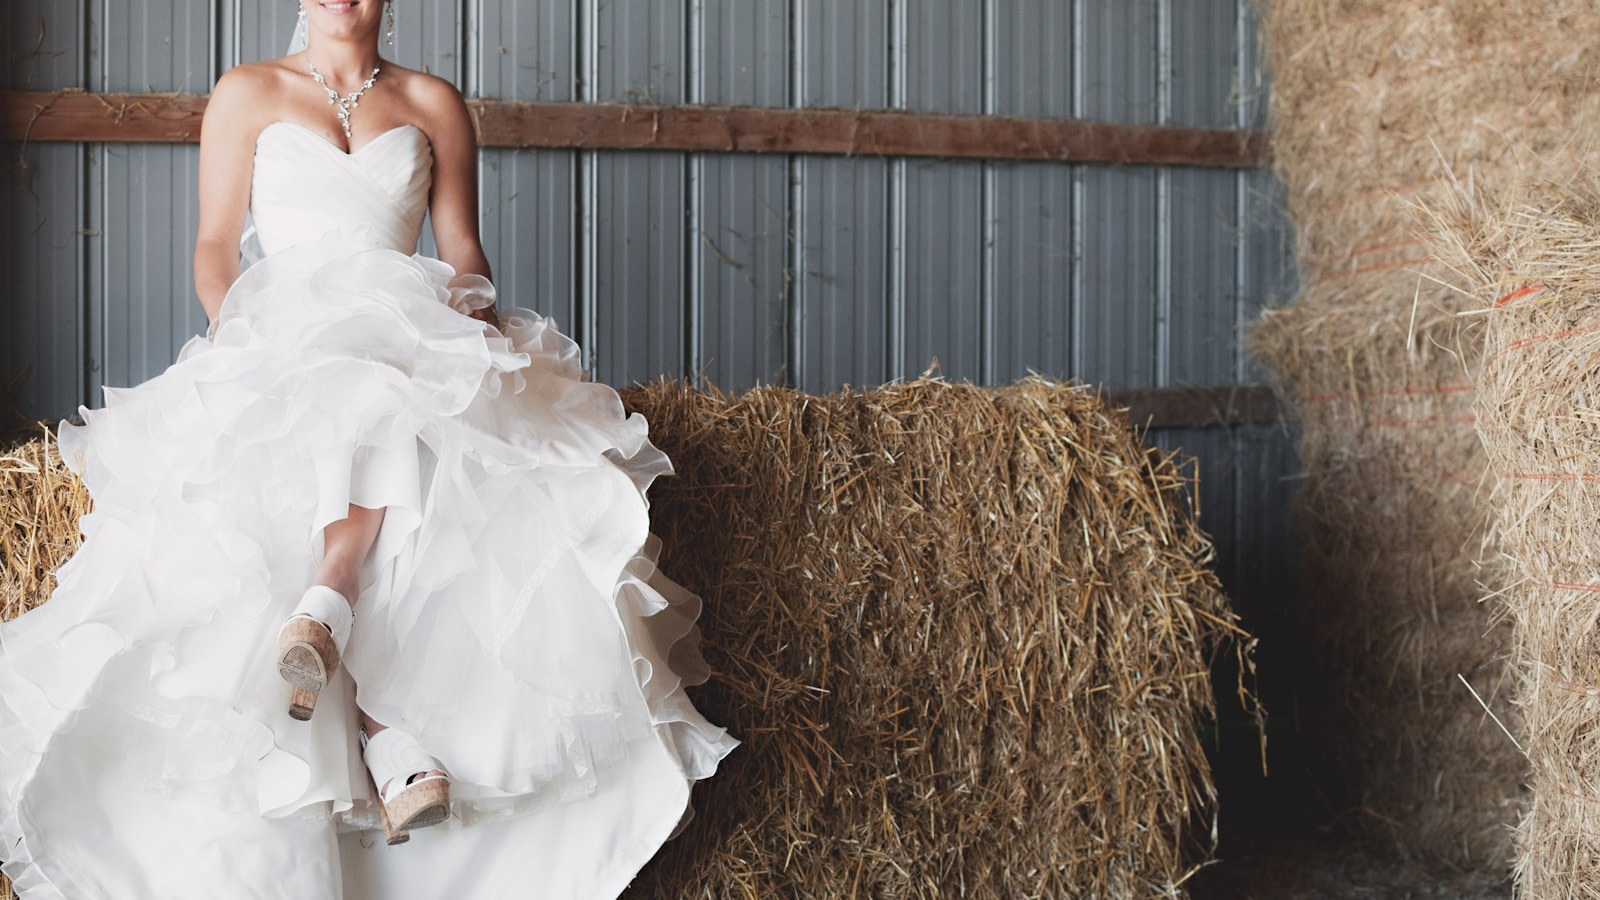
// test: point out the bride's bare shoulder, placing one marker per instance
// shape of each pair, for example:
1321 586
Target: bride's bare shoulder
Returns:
421 87
245 98
253 81
433 100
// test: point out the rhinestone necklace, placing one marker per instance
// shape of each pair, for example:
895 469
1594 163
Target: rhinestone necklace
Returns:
347 104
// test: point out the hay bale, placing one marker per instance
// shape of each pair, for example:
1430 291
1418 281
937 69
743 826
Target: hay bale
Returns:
1391 613
1380 370
1535 262
964 633
41 502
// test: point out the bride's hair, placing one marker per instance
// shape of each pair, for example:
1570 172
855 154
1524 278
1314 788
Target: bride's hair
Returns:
300 38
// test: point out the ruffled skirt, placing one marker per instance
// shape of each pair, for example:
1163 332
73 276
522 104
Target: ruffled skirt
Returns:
511 616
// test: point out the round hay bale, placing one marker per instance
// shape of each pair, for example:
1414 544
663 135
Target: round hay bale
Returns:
1535 260
1380 369
964 633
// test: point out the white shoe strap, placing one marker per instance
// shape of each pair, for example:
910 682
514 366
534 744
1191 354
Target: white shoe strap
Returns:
329 607
392 754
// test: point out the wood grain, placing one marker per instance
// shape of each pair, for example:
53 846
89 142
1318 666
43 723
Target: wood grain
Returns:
175 118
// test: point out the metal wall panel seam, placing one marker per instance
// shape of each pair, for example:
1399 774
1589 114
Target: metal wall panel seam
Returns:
895 326
694 214
1242 32
89 320
794 278
97 272
228 36
586 64
466 37
219 12
1163 323
986 204
1076 286
84 388
1241 212
580 200
96 40
470 72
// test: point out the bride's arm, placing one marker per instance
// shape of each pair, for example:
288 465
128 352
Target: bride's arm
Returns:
227 152
454 202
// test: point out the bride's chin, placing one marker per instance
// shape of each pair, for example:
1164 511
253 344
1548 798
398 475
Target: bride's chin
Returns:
347 31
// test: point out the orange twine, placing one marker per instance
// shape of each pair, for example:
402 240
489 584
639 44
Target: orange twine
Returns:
1426 422
1402 392
1391 245
1375 248
1519 293
1378 267
1535 340
1572 586
1572 687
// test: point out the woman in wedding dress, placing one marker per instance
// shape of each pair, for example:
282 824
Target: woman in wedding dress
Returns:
365 562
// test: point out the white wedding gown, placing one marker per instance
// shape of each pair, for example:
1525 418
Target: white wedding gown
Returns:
511 616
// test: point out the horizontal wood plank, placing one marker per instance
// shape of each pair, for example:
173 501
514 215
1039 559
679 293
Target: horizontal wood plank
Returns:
81 116
1193 407
76 115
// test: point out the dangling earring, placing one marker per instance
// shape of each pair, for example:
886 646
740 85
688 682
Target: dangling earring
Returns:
390 35
300 23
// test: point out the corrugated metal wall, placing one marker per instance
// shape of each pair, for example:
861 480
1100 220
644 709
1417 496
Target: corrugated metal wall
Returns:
814 271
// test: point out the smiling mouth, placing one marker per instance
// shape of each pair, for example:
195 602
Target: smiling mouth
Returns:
341 7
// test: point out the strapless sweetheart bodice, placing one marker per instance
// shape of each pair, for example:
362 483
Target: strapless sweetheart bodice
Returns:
304 187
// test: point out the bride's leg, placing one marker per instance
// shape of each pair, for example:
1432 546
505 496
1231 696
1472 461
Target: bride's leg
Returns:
311 643
372 727
345 544
412 791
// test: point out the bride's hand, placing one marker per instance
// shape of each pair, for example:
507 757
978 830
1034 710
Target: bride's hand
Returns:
487 315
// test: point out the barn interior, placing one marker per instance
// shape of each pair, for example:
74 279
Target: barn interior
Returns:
1204 340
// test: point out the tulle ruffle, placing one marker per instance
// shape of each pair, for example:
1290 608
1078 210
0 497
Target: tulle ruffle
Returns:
512 618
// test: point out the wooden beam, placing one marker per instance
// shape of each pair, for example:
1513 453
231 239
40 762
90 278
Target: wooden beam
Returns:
1186 407
74 115
175 118
845 132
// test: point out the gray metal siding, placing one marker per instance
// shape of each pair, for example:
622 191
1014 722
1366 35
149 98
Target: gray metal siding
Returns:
1201 276
739 205
1118 214
842 213
634 301
814 271
938 49
529 199
145 205
1031 206
1267 275
42 316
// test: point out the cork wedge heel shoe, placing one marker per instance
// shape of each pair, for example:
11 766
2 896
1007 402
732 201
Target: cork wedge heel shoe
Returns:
412 787
310 645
